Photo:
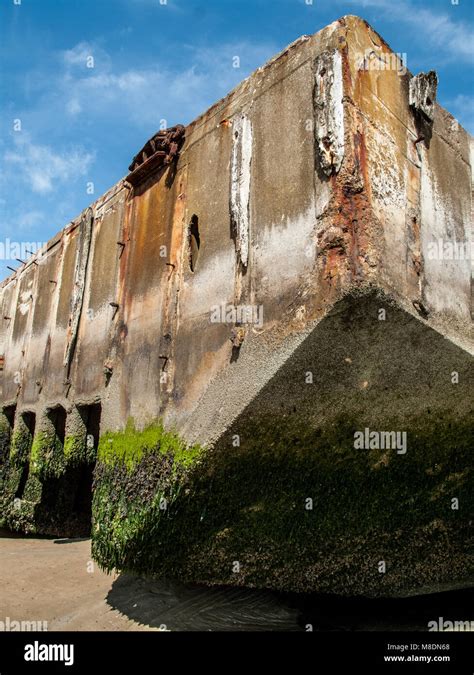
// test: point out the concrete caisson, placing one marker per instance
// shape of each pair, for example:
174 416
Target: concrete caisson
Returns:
213 335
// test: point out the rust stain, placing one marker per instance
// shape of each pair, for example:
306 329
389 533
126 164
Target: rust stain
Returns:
123 266
361 157
171 299
346 69
343 245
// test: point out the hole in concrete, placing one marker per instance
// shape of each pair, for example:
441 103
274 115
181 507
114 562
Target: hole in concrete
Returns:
57 417
51 486
49 494
428 101
90 415
9 413
82 506
66 504
29 420
194 242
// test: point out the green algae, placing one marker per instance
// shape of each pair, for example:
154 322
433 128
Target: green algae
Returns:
77 451
21 443
46 504
129 446
248 504
138 479
5 438
47 455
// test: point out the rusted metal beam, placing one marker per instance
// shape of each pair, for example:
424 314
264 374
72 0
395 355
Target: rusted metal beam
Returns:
158 151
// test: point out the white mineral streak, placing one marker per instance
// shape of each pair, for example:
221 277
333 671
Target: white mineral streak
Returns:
329 111
240 184
422 93
25 302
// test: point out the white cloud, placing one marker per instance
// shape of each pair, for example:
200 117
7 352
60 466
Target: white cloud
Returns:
78 55
163 5
73 106
30 219
147 95
452 38
110 107
462 107
42 168
84 56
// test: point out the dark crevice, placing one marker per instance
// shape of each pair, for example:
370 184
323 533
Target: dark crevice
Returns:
194 242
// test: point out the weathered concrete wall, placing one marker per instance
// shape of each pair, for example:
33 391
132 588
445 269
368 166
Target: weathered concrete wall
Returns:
298 249
419 190
313 183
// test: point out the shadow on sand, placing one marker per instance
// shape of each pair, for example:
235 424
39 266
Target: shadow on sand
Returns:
170 605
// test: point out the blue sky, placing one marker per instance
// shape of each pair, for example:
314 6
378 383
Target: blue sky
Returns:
167 60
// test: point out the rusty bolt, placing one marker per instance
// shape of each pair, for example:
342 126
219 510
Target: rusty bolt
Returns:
108 368
421 309
237 336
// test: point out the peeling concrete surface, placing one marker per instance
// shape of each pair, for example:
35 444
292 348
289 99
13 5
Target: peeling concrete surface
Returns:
80 271
423 93
328 95
240 185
